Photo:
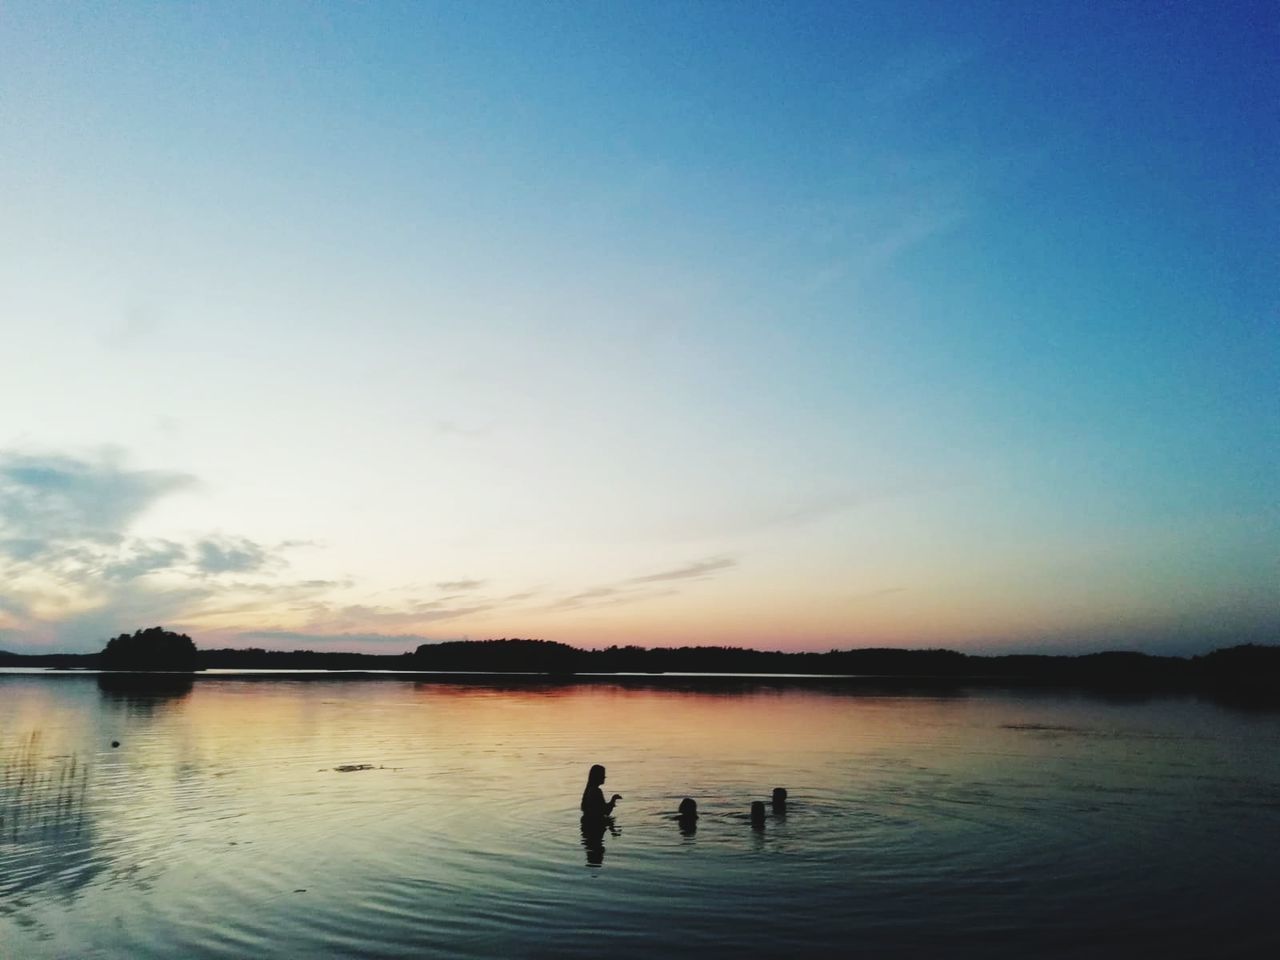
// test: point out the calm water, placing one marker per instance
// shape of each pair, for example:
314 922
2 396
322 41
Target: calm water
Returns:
980 823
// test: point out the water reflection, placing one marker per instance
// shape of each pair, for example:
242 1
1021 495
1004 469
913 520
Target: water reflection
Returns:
39 795
46 834
72 794
593 831
145 693
387 818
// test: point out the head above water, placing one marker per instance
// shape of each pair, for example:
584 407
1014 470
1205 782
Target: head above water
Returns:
757 812
688 807
596 776
779 796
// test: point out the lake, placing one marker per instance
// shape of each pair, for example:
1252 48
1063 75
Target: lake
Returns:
229 821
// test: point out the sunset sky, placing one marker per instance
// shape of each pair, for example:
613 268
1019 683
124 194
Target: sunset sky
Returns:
793 326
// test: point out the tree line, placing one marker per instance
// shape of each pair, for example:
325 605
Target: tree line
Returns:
157 649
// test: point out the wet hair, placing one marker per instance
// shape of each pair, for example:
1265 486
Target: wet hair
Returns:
688 807
779 797
596 776
757 812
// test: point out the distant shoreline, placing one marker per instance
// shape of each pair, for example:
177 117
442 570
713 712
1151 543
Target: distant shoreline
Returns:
1250 669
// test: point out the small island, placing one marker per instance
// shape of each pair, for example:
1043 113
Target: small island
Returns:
153 649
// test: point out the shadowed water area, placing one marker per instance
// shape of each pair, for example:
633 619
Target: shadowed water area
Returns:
409 817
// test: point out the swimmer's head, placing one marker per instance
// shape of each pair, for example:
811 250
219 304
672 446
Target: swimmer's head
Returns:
688 807
596 776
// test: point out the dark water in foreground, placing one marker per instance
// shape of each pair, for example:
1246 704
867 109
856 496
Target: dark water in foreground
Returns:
982 823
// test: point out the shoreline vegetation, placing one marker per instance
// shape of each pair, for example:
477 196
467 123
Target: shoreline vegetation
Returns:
1248 668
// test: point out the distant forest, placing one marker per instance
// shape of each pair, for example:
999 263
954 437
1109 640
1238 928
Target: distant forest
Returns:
1252 666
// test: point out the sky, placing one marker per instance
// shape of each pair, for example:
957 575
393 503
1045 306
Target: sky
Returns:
781 325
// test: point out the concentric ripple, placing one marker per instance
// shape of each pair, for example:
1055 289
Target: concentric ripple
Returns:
407 818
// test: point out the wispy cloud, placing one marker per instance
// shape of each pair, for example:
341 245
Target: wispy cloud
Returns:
325 618
141 557
899 197
583 597
452 586
216 555
871 235
72 571
45 500
876 594
690 571
636 589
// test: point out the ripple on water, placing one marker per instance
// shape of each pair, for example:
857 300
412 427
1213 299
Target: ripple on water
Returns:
220 828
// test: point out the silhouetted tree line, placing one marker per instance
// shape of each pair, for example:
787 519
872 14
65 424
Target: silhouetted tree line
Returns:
152 649
1252 667
1122 667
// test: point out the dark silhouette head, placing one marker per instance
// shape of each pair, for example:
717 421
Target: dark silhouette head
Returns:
779 799
689 809
757 814
596 776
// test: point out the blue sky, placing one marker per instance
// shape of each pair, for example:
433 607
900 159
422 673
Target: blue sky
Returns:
783 325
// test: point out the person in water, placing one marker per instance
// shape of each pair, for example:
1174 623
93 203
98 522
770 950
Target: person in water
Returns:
688 816
780 800
593 829
593 802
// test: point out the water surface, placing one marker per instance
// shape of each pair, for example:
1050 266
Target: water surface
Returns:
979 822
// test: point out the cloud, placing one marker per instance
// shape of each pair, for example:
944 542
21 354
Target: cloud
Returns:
876 594
326 618
126 607
23 549
72 573
869 237
690 571
47 499
14 605
145 557
457 585
583 597
216 555
635 589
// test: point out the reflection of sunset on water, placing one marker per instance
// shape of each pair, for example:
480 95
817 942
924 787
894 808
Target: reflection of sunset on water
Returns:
283 815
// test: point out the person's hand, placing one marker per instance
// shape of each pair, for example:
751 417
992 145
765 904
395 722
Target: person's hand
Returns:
616 798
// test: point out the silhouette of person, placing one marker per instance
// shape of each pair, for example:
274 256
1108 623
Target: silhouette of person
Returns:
594 806
688 816
757 815
779 800
593 829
